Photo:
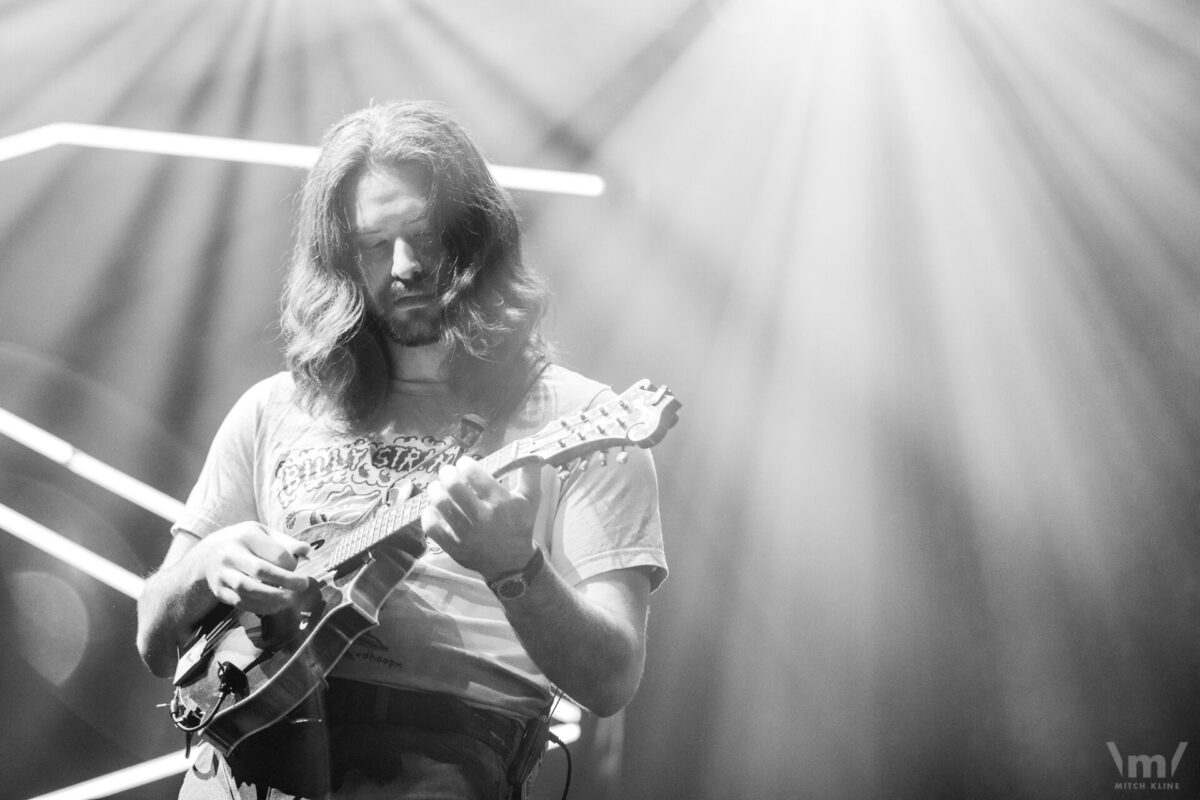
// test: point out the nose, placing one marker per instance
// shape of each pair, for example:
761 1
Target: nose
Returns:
406 267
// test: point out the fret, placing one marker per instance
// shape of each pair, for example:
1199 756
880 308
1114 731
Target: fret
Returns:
282 676
556 444
390 520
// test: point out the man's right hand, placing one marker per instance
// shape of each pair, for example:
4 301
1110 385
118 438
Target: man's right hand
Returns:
252 568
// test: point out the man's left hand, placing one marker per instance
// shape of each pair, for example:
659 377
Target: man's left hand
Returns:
480 523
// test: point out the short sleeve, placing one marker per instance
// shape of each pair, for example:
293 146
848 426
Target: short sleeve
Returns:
608 518
224 493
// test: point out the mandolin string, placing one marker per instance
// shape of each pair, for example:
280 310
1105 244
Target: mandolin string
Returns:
388 520
356 541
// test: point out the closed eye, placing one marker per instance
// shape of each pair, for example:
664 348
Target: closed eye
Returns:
372 247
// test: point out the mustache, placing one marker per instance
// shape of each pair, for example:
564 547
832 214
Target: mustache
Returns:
400 291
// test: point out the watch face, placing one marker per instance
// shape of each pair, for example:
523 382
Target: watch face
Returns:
515 584
511 588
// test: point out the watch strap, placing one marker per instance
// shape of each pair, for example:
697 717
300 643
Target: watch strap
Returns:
518 579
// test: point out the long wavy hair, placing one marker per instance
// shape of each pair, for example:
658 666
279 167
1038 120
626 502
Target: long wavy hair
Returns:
491 302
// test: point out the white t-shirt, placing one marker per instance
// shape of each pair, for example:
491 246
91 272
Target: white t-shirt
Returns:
441 629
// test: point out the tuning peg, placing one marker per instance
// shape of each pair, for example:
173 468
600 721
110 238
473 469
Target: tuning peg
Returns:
623 456
604 458
583 464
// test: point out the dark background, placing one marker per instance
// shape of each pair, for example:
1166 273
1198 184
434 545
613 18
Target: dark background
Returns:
925 275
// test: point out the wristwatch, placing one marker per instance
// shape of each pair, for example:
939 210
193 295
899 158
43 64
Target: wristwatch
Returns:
511 585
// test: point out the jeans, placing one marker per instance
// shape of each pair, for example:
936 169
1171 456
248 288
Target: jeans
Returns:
349 761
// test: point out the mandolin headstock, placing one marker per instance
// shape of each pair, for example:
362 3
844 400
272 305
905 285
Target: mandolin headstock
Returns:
640 416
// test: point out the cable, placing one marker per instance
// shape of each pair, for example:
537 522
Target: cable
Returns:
567 753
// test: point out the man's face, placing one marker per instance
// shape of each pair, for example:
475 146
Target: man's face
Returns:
398 251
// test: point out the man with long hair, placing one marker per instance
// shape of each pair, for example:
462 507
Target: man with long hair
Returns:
408 308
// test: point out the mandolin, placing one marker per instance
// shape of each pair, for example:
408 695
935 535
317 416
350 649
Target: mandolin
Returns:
240 672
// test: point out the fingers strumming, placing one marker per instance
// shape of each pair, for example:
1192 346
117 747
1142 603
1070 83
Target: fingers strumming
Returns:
271 575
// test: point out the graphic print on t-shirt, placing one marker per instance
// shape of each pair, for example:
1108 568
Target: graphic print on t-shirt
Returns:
340 482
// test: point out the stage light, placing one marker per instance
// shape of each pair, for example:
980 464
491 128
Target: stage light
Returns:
252 152
548 180
88 467
122 780
64 549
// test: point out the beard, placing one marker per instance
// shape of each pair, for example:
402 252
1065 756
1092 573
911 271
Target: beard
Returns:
412 315
410 333
414 327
